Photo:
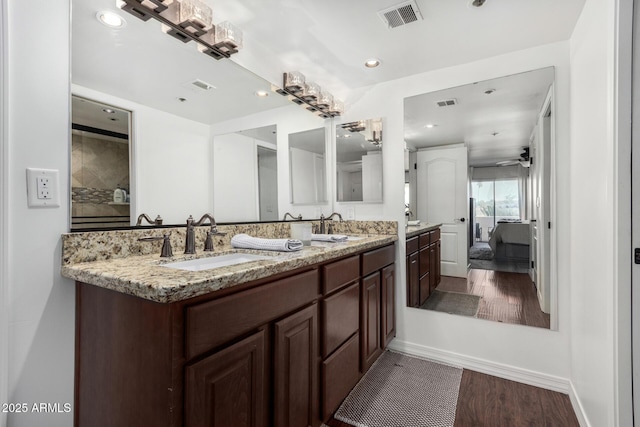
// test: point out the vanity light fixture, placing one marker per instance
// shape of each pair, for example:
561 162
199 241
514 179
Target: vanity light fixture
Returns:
372 63
110 19
309 95
189 20
371 129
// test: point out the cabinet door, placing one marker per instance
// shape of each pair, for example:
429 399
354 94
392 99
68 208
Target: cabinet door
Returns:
388 305
370 347
432 271
413 280
228 388
424 288
438 260
296 369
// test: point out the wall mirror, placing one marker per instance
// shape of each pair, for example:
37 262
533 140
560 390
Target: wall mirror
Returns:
505 130
359 161
100 190
176 95
252 193
307 167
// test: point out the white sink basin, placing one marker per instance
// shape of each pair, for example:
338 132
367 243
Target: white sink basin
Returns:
218 261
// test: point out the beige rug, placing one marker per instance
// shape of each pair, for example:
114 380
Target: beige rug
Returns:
453 303
403 391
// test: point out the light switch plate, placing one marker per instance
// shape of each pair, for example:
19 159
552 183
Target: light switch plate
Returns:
43 190
351 213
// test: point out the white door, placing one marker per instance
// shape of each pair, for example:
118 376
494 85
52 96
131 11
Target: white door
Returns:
443 199
635 219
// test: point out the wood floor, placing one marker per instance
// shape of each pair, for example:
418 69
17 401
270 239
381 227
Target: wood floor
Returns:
506 297
487 401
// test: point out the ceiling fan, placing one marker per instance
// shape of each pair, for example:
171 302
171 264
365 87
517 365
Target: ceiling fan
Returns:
524 160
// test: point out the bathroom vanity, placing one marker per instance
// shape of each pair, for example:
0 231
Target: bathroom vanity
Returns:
273 342
423 262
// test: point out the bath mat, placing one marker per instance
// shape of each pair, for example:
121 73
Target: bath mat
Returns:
401 390
452 302
480 250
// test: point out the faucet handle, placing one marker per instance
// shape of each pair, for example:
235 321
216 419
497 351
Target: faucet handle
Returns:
166 252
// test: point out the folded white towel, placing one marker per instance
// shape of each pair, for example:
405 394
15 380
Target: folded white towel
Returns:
245 241
329 237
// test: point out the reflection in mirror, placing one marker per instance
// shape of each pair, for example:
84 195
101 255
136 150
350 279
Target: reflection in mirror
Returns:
176 95
99 165
245 176
505 129
307 163
359 161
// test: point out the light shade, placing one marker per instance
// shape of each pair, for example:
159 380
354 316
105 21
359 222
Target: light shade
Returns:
228 34
294 82
311 92
325 100
337 107
196 12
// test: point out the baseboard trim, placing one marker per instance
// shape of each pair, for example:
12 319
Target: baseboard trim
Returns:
577 407
525 376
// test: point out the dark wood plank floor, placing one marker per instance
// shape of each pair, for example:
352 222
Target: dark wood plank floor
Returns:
506 297
488 401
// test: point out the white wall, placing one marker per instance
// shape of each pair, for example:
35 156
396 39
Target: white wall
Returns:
288 120
41 303
235 182
598 285
525 353
171 161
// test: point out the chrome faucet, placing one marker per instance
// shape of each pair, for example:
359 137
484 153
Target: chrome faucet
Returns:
158 220
323 219
190 240
298 218
166 244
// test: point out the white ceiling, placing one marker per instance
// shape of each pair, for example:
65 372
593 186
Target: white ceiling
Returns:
494 126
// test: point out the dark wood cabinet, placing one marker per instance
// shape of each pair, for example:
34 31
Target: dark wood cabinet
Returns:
296 369
228 388
423 266
282 351
370 307
388 305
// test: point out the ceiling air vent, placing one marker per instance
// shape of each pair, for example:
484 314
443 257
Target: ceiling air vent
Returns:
400 14
202 85
447 102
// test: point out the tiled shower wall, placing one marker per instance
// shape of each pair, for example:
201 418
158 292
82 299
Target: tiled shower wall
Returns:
98 167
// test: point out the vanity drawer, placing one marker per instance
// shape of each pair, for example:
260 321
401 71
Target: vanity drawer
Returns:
340 273
412 245
340 373
213 323
424 240
434 235
340 318
377 259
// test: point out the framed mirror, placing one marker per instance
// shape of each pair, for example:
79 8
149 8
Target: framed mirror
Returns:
307 167
359 161
505 128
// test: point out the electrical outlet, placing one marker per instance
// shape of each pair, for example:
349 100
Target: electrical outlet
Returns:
42 188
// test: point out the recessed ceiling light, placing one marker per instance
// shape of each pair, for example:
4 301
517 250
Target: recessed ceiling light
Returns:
111 19
495 133
430 125
262 93
109 110
489 91
372 63
182 99
346 136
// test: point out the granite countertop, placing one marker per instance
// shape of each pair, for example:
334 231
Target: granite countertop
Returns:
414 230
145 277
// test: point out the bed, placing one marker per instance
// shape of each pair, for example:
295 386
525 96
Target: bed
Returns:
510 241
